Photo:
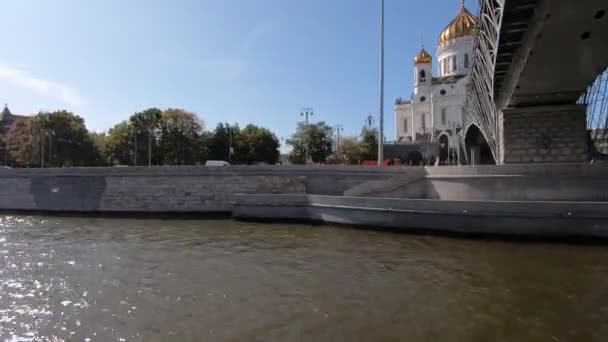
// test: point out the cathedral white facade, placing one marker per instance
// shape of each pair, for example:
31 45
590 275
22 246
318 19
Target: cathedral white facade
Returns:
434 111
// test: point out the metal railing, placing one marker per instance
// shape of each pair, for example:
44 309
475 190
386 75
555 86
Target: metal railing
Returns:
479 106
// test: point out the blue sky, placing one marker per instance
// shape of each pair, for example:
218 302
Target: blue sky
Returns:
241 61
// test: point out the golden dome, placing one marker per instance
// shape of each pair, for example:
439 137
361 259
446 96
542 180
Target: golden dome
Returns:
422 56
463 25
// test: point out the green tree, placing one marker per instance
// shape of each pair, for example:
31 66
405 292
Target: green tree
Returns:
145 126
119 145
349 151
179 137
202 146
99 142
56 139
369 143
174 136
314 138
256 144
218 142
23 146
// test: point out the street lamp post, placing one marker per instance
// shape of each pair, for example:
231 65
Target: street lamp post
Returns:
41 150
426 147
150 148
150 127
368 121
454 125
50 135
136 131
230 144
381 121
338 128
306 112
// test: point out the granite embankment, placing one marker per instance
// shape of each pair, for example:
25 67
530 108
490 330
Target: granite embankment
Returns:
578 182
175 189
199 189
544 200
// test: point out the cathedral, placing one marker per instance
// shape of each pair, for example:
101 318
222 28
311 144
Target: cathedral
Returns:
434 111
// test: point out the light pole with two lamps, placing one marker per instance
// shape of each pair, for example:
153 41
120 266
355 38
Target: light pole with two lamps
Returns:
306 112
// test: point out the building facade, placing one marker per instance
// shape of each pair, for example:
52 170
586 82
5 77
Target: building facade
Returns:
434 113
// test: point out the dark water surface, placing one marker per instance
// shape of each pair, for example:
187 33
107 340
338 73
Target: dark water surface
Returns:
78 279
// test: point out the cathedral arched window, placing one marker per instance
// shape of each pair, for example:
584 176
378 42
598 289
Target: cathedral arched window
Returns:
466 60
454 62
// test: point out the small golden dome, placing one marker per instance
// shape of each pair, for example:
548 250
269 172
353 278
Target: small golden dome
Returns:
422 56
463 25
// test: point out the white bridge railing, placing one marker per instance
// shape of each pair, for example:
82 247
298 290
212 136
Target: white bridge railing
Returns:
480 106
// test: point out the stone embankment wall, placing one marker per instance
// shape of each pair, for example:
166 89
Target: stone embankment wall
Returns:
510 182
169 189
202 189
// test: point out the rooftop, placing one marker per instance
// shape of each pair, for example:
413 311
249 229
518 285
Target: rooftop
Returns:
6 114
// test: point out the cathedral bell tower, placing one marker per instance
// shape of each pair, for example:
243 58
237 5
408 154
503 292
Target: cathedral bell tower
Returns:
422 71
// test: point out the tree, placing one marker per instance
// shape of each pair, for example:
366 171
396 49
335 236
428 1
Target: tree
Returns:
145 127
315 138
256 144
179 137
349 151
57 138
218 143
23 147
369 143
202 146
99 142
174 136
119 145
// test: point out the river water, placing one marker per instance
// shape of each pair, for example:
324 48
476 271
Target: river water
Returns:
83 279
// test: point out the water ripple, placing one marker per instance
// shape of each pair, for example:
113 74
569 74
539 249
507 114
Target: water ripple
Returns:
76 279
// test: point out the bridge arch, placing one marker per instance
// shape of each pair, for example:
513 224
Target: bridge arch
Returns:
478 150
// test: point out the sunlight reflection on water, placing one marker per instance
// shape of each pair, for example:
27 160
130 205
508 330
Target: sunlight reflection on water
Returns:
151 280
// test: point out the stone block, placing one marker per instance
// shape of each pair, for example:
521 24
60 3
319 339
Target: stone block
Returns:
567 151
513 158
537 159
525 159
531 151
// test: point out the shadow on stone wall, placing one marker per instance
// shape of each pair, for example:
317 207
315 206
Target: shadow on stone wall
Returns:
68 193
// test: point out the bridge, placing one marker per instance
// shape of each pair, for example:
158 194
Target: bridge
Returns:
539 81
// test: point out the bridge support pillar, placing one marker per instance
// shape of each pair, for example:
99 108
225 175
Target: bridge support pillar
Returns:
544 134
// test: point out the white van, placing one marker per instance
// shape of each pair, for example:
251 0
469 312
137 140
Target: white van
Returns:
216 163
